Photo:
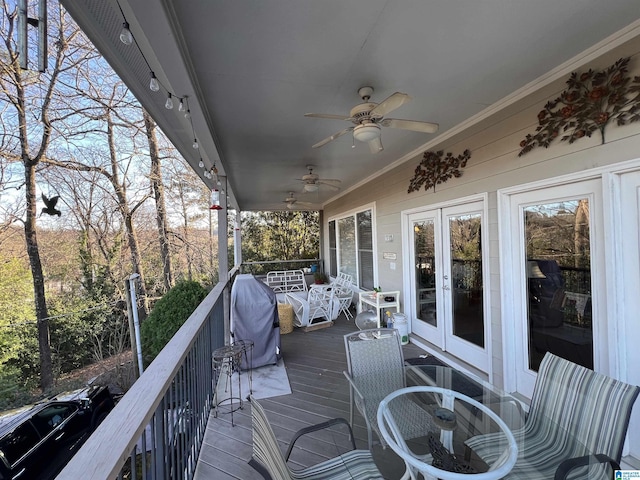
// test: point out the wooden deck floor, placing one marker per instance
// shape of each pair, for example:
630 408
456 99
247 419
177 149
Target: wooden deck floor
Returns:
314 362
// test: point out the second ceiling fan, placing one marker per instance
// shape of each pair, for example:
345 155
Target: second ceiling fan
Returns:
312 181
368 117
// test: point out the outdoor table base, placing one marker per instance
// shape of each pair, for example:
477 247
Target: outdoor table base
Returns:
247 353
227 360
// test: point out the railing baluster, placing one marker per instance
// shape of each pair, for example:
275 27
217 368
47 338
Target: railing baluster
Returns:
174 397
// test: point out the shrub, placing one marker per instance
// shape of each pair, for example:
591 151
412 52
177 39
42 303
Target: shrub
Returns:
168 315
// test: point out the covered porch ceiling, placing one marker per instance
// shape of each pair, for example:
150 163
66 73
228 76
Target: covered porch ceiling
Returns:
250 69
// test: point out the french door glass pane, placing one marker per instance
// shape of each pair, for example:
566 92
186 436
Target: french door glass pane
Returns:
424 248
347 245
558 281
466 277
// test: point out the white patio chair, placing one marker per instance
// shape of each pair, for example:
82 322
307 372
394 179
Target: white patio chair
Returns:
319 302
343 284
344 295
343 279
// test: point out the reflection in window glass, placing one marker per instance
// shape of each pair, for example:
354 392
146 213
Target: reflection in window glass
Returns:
365 249
424 248
558 255
17 444
466 277
347 245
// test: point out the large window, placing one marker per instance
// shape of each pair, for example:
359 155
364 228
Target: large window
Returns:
351 247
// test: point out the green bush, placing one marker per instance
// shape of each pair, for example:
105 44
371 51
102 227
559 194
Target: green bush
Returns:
168 315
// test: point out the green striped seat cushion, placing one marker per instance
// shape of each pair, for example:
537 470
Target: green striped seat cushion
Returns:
572 409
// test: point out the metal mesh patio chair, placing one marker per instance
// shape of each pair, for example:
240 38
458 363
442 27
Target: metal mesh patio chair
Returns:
271 464
375 369
573 410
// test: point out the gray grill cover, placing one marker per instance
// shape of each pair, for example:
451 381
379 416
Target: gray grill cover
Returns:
254 316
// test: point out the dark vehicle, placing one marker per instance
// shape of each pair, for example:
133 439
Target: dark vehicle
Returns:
37 441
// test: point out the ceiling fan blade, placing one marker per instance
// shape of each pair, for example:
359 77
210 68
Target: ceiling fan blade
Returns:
327 115
329 180
332 137
389 104
375 145
330 185
413 125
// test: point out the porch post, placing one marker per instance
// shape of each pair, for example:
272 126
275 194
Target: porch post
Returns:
237 240
223 257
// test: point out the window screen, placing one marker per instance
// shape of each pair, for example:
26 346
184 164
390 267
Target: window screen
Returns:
333 254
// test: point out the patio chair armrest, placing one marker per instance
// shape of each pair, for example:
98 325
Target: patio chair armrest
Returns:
569 464
315 428
261 469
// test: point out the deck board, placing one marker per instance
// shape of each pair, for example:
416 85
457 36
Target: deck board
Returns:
314 361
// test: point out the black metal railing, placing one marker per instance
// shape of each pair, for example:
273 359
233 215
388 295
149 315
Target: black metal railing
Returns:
156 430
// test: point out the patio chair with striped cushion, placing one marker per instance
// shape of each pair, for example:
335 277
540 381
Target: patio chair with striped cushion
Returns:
573 410
272 465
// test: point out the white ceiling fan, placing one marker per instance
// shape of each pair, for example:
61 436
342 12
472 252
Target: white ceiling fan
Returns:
312 181
368 117
292 202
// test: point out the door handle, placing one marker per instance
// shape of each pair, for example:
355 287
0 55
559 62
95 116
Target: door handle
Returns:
59 436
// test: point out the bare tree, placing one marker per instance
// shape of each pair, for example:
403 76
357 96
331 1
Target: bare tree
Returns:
36 103
190 197
158 193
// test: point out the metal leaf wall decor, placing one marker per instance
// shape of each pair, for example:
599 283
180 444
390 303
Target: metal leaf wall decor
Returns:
590 102
435 169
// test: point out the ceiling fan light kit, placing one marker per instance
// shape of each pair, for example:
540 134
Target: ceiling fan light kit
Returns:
366 132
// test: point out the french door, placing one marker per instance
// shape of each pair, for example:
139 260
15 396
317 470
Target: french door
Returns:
447 282
556 233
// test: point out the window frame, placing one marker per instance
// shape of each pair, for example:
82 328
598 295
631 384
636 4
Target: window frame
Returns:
334 251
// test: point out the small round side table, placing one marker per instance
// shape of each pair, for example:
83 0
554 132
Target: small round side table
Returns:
227 360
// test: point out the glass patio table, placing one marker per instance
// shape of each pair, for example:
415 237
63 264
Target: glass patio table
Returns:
475 429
